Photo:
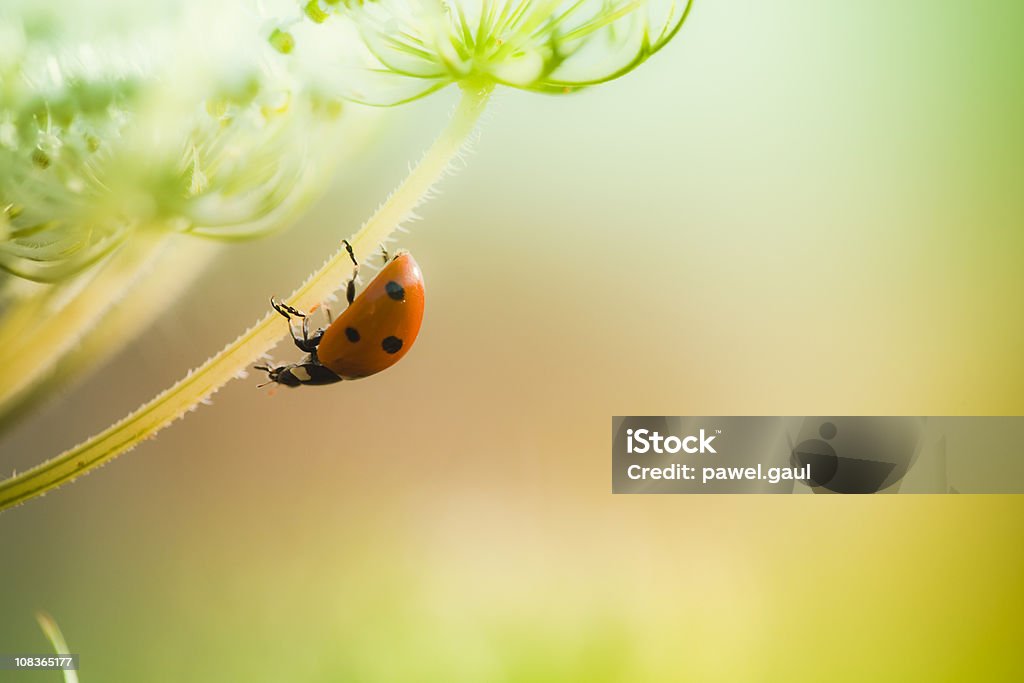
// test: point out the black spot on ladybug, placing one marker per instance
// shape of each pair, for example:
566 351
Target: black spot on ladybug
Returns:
352 334
391 344
396 292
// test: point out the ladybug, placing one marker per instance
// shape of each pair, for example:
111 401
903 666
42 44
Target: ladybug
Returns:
372 334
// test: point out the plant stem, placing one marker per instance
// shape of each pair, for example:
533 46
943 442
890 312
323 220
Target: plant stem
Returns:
36 331
56 638
232 361
180 261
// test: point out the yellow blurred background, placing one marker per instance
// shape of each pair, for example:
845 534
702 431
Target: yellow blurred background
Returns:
796 208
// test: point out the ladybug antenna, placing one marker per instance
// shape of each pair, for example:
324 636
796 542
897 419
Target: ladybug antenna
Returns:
270 372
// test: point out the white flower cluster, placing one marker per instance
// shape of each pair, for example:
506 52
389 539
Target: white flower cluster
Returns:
173 117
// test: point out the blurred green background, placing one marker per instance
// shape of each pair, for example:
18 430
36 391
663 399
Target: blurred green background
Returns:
796 208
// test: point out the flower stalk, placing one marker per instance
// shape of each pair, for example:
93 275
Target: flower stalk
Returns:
36 329
107 312
199 384
56 638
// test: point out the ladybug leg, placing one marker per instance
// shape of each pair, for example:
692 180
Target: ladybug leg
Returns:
305 343
310 342
384 252
318 335
285 310
350 289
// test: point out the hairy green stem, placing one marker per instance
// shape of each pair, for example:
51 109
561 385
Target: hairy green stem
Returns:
37 330
232 361
180 261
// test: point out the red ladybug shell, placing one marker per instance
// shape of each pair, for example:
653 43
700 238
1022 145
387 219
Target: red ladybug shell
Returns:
381 324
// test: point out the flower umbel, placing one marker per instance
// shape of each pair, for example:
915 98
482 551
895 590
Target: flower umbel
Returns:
95 146
554 46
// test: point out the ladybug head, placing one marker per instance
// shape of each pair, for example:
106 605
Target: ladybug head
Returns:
282 374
